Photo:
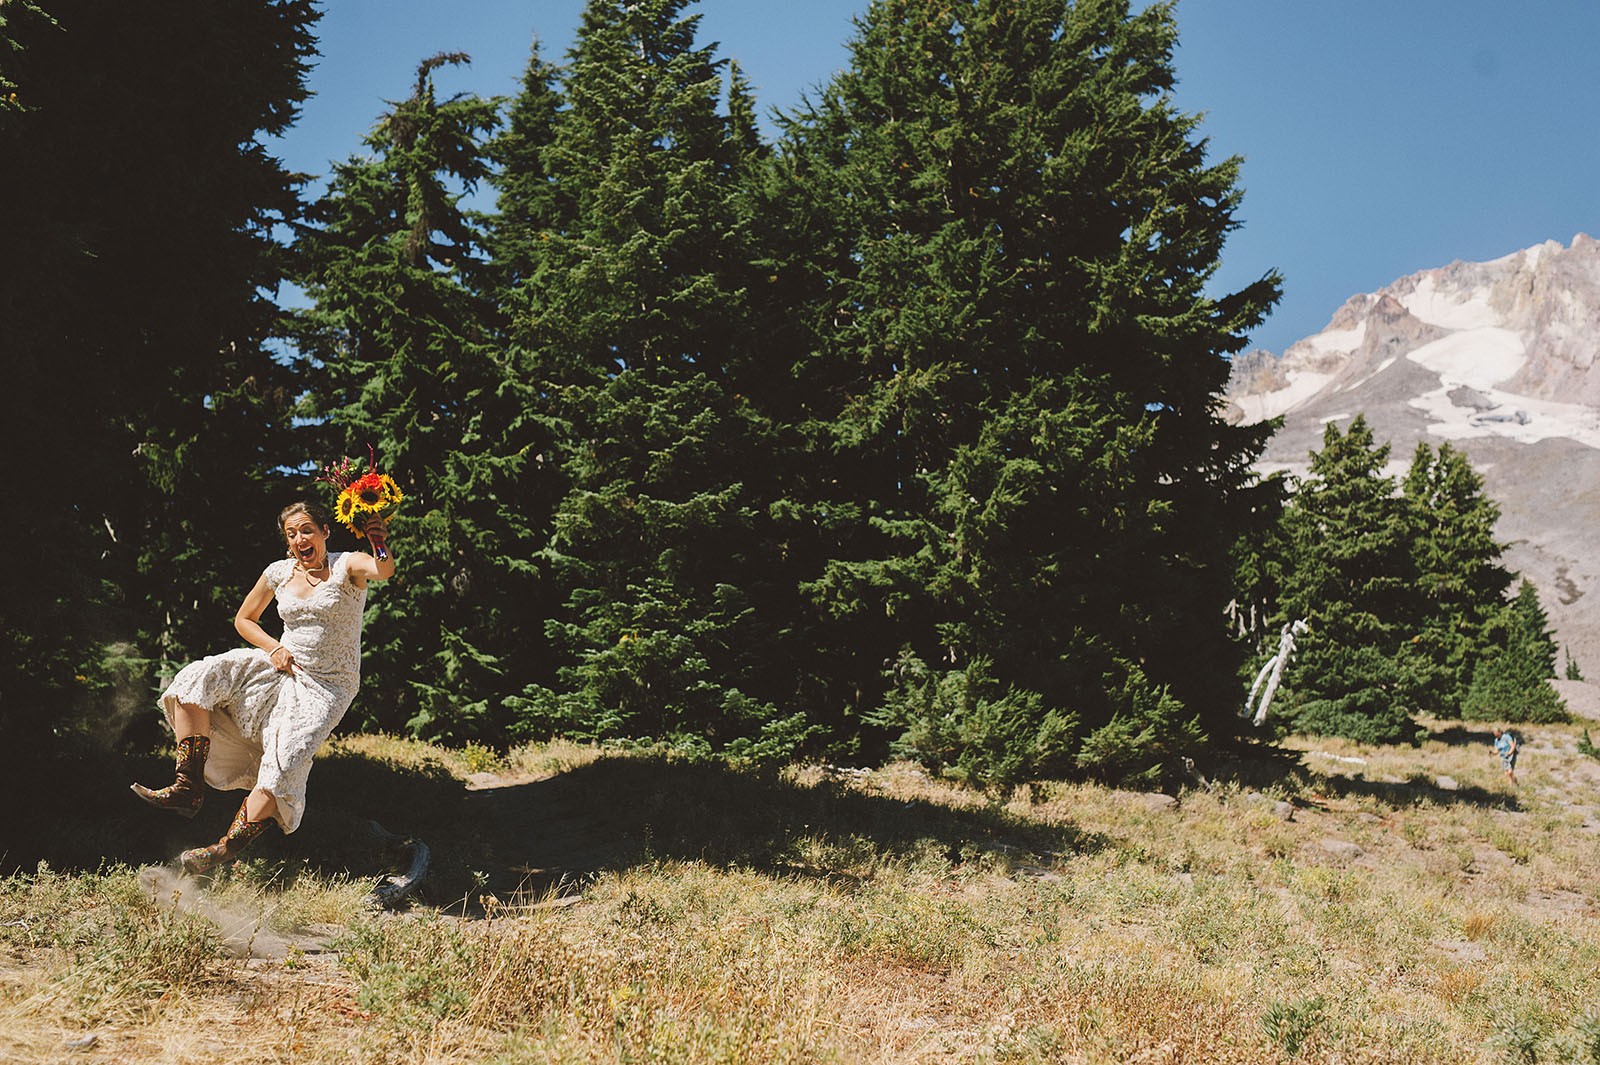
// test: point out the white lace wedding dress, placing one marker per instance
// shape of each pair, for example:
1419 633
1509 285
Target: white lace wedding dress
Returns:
265 724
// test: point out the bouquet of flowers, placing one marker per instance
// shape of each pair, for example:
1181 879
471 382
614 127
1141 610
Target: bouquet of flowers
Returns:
363 496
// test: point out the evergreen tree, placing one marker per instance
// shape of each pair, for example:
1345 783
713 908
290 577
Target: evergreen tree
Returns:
1352 578
1512 683
147 411
412 367
1460 580
530 202
632 320
1528 630
996 233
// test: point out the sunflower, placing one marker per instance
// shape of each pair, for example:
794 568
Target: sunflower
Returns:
368 495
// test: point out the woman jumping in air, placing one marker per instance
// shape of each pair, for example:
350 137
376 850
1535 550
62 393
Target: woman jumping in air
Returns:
252 718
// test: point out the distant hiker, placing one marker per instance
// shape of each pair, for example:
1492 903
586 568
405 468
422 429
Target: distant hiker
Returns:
1506 746
268 707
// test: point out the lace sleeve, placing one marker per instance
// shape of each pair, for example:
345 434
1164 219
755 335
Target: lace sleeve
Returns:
278 572
341 573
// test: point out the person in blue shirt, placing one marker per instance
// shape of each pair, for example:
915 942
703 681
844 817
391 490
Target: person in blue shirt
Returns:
1506 746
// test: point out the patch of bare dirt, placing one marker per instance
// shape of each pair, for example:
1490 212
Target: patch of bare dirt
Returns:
244 932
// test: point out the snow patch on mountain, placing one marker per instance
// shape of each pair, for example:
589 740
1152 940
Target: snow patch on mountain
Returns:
1520 418
1470 309
1302 385
1343 341
1479 356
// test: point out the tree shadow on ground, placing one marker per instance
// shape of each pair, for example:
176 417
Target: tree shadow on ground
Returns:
1255 765
1266 766
1462 736
1412 793
530 839
97 821
617 813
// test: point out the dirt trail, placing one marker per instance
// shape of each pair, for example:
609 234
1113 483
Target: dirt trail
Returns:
244 931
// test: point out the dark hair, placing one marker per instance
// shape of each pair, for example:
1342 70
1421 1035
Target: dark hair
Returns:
315 511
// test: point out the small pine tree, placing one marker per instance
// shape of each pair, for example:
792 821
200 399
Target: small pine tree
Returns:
1460 583
1351 576
1514 684
1528 629
1572 670
962 722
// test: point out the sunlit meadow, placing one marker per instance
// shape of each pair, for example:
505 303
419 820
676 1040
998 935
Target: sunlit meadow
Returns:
1388 904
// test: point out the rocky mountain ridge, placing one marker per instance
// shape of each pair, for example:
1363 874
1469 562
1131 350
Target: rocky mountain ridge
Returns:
1499 359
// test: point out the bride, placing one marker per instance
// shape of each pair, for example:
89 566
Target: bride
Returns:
253 718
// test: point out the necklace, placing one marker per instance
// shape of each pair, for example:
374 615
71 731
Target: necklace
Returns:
307 570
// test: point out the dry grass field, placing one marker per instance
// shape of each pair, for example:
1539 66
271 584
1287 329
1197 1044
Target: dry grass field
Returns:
1350 904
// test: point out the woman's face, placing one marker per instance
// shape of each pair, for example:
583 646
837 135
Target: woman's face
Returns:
308 541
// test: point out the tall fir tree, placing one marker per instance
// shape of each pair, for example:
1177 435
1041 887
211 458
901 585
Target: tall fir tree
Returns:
996 232
136 175
146 414
632 319
1460 581
411 364
530 203
1351 576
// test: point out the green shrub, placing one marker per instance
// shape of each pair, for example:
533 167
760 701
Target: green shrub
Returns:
962 723
1145 739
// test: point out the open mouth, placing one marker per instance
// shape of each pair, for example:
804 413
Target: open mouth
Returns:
307 552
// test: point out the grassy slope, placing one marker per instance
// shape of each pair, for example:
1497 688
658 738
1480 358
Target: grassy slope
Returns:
613 907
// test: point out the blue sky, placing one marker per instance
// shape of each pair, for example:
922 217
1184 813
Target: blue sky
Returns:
1380 137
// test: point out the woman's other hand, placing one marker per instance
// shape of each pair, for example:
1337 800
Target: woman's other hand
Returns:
282 659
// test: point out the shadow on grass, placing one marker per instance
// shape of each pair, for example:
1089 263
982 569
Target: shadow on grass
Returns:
532 838
1264 765
616 813
1462 736
97 821
1256 766
1413 793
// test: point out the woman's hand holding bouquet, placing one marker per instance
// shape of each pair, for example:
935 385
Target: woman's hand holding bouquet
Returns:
366 500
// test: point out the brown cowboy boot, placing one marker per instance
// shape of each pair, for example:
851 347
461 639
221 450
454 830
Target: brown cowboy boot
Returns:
184 796
227 849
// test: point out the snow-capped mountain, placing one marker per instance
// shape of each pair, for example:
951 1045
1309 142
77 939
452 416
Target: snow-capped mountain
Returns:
1499 358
